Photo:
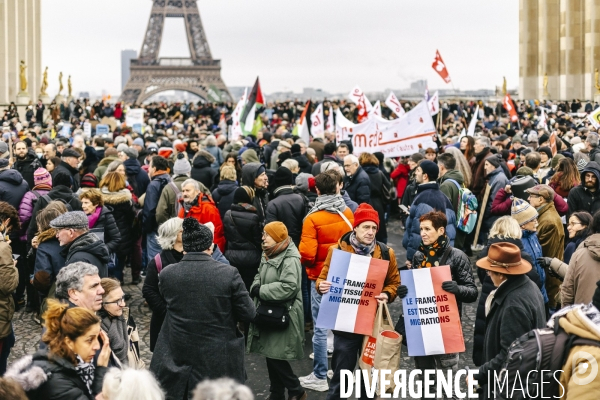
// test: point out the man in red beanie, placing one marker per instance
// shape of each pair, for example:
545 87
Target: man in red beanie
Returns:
361 240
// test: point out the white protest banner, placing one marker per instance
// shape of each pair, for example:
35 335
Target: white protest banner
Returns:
434 104
343 126
376 110
359 98
135 119
87 130
329 125
398 137
473 122
543 122
317 123
236 126
394 104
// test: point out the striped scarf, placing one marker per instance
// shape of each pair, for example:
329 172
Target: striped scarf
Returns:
330 202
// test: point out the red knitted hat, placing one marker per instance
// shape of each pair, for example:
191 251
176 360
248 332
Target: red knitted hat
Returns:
364 213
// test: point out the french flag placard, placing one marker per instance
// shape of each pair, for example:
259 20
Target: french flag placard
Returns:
431 315
350 304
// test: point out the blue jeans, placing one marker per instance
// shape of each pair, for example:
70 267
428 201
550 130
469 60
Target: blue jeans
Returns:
319 337
152 247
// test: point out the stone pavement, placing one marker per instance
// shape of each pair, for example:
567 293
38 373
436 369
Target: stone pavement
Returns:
28 332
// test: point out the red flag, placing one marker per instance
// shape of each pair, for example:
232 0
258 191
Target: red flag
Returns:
439 67
510 107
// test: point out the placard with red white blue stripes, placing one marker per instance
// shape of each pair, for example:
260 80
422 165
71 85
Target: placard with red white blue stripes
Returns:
350 304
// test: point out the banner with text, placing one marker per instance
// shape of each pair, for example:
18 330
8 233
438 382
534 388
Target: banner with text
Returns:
350 304
431 315
135 119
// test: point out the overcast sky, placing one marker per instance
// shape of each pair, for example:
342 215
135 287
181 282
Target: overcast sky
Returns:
292 44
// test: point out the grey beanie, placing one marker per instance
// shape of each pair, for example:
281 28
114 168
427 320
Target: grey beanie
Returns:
302 181
71 219
131 152
181 166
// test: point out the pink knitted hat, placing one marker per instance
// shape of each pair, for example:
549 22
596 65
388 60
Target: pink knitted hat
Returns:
42 177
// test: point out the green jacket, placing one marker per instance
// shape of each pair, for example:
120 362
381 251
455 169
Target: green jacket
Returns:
280 279
102 166
449 188
165 208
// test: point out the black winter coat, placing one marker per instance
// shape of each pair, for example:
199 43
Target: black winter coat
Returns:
205 301
379 183
136 176
152 295
243 232
223 195
358 186
261 198
27 166
289 208
63 167
123 213
486 287
202 171
12 188
60 193
87 248
517 308
303 163
106 228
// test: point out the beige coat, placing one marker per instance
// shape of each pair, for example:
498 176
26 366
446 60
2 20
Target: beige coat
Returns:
583 273
9 280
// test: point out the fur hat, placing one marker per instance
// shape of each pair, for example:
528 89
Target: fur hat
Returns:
196 237
181 166
277 231
522 211
364 213
71 219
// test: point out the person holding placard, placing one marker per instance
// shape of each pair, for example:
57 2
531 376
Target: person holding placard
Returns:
361 241
435 250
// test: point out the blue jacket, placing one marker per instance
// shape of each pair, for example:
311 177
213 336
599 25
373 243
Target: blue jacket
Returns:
358 186
153 192
532 246
429 198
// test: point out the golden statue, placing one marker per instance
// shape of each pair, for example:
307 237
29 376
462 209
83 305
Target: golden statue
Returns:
545 84
44 86
504 86
596 81
60 87
69 86
22 76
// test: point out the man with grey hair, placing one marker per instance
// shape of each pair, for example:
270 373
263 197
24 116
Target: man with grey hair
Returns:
78 243
357 183
200 206
79 285
591 144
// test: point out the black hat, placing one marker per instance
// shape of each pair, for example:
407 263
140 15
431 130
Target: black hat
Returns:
243 194
296 148
283 177
196 237
596 298
431 169
502 137
70 153
545 149
543 139
495 160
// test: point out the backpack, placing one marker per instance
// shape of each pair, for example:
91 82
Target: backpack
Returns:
466 211
544 350
178 196
48 199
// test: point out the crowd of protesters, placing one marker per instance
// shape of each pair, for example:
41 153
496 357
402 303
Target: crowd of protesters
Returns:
217 230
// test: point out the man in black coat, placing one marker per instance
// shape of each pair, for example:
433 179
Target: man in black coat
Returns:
586 197
79 244
26 162
287 206
12 185
303 162
136 176
69 165
357 182
205 301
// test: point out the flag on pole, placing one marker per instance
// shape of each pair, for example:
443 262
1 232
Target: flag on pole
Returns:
255 100
473 122
394 104
440 67
236 126
434 104
510 107
329 125
358 97
594 118
376 110
543 122
317 123
301 129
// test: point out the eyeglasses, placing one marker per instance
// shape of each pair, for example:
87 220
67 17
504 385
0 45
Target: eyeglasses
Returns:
119 302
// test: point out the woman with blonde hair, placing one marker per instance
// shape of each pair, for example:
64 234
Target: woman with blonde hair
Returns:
461 164
505 229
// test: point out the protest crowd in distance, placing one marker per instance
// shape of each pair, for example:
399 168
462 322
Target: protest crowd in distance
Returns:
260 227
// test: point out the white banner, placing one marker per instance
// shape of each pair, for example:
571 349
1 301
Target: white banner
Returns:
359 98
376 110
434 104
236 127
329 125
399 137
394 104
317 124
343 126
135 119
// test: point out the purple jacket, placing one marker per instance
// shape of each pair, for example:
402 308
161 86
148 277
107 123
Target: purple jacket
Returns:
26 210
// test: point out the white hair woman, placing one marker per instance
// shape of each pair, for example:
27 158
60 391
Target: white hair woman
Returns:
130 384
170 241
222 389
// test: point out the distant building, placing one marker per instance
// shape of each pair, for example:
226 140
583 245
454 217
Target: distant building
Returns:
126 56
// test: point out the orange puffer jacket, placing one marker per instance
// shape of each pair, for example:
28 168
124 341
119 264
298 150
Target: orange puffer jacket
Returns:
207 211
320 231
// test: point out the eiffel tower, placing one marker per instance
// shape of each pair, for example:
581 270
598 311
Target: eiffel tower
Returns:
200 74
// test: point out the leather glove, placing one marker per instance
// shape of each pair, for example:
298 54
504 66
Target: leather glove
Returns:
450 286
402 291
544 261
255 293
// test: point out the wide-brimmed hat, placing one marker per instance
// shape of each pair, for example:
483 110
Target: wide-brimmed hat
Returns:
504 258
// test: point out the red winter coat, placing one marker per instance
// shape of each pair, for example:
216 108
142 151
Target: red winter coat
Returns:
206 211
502 204
401 173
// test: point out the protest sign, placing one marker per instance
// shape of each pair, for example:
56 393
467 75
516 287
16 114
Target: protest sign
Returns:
317 122
87 130
102 129
594 117
431 315
394 104
135 119
350 304
66 130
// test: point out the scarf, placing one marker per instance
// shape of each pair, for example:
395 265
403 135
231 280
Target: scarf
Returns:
274 250
116 329
85 372
332 203
93 217
361 249
490 298
433 252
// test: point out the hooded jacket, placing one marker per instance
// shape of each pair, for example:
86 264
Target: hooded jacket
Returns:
223 195
136 176
202 170
449 188
12 187
102 166
261 198
583 273
583 199
88 248
26 208
27 166
153 193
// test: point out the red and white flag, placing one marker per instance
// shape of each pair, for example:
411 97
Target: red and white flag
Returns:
317 123
358 97
440 67
434 104
510 107
394 104
236 127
